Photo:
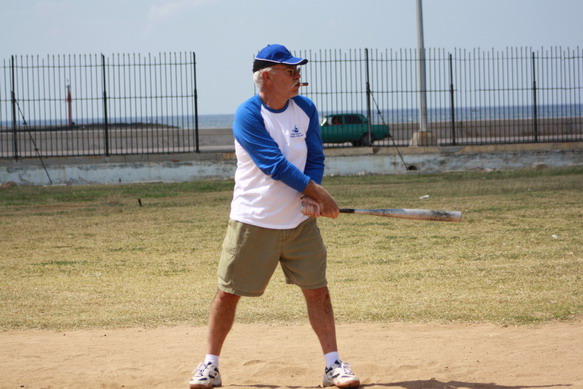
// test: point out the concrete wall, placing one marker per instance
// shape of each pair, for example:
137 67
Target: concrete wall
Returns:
119 169
456 158
350 161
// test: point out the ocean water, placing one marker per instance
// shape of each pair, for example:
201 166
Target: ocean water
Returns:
215 121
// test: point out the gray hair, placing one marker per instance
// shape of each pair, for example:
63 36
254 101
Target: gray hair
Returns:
257 77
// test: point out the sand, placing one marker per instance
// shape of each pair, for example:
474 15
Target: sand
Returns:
392 355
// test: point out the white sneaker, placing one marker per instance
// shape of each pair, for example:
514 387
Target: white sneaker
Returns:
340 375
205 377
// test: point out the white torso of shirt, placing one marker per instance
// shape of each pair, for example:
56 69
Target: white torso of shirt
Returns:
257 198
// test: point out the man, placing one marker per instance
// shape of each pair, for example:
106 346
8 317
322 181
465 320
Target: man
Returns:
276 200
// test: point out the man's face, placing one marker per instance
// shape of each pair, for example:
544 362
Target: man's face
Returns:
286 79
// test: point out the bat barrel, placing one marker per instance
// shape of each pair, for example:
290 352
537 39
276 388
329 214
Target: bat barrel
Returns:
413 214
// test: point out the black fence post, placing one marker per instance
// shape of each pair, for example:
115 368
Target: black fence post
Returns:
197 148
105 118
368 94
452 101
534 103
14 120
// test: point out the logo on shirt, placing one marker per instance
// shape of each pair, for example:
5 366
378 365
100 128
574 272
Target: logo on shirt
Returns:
296 133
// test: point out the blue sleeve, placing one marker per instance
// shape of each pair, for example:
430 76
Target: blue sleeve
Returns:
249 130
315 162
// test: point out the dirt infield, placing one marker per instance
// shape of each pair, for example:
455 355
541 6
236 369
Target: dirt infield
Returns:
410 356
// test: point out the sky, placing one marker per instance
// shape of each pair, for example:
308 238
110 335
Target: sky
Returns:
225 34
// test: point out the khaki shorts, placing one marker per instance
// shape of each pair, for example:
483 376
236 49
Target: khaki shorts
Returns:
250 256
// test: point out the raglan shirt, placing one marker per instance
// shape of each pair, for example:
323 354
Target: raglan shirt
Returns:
278 152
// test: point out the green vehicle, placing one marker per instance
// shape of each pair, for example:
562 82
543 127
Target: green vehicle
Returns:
351 127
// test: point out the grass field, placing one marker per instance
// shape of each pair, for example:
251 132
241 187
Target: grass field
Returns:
92 257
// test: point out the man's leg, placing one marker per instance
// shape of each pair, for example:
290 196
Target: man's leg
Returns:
321 317
221 318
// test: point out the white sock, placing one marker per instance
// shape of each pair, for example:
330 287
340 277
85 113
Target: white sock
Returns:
214 359
331 358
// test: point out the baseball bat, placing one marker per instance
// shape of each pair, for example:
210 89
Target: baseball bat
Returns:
414 214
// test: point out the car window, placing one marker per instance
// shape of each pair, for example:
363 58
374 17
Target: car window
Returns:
336 120
353 119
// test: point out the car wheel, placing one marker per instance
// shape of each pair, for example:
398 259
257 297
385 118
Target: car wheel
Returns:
364 141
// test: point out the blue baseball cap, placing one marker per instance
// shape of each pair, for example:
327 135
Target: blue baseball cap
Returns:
273 54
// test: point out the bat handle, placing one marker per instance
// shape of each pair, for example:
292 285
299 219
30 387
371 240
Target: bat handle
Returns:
346 210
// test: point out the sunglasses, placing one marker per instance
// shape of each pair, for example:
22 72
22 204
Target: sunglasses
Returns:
291 72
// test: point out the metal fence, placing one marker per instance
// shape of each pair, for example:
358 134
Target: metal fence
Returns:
517 95
84 105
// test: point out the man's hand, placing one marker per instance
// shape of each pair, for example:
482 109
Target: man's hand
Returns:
327 204
310 207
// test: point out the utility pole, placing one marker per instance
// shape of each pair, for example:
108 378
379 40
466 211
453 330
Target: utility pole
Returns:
69 106
423 137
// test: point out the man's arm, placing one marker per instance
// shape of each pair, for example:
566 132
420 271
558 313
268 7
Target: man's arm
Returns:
313 192
249 130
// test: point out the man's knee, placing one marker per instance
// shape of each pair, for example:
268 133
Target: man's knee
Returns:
226 298
318 294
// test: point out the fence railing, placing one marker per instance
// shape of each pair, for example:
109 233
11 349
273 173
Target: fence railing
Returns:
517 95
83 105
